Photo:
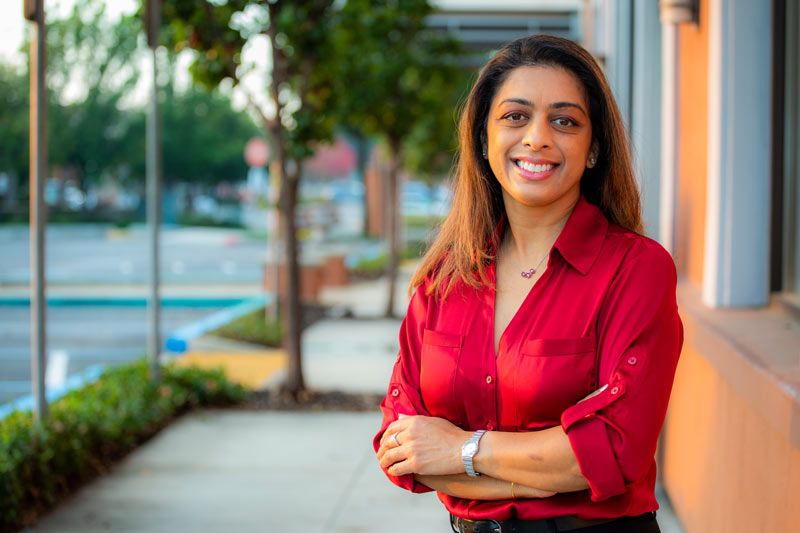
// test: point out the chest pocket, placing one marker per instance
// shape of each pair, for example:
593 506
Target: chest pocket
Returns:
438 365
553 374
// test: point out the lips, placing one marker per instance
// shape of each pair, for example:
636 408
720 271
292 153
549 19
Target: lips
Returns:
534 169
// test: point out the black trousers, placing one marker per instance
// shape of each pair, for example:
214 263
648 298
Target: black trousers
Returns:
645 523
638 524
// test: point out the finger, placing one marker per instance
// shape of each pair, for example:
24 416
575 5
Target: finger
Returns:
391 441
392 456
395 427
400 468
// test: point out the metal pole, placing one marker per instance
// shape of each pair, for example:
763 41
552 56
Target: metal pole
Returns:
34 11
153 198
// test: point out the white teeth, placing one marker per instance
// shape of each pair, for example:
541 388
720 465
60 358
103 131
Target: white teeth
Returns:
530 167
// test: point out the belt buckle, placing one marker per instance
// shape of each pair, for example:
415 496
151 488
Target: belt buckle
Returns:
462 525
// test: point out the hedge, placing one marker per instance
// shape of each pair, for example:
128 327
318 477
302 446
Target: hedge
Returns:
90 428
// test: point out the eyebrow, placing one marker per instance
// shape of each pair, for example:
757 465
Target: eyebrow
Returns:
554 105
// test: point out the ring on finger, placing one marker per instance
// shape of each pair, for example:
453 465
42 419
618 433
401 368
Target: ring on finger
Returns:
394 439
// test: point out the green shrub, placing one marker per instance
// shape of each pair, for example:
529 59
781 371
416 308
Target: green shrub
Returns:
91 427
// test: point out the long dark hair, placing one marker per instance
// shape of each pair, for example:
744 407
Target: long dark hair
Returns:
460 250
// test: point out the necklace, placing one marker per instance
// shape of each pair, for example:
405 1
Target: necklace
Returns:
531 271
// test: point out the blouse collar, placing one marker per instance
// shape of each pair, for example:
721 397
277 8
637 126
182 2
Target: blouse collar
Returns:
580 241
583 235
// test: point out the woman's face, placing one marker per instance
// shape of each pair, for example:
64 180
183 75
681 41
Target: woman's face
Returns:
539 137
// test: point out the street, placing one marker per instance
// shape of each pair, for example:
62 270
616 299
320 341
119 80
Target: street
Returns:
102 254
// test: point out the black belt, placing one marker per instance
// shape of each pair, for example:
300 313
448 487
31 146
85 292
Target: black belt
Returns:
546 525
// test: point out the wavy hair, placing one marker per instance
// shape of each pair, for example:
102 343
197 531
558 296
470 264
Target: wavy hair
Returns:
460 250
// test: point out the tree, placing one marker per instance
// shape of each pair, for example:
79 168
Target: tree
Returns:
409 80
91 68
14 133
203 139
299 89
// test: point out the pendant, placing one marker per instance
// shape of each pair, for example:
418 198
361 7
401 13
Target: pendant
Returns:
528 274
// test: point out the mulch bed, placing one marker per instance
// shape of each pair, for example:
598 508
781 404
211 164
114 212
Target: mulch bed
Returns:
311 400
275 400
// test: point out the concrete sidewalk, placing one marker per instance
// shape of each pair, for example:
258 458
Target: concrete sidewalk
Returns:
231 470
220 471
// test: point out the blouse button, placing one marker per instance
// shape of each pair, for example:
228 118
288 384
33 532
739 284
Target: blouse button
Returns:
632 361
490 426
614 390
395 393
488 379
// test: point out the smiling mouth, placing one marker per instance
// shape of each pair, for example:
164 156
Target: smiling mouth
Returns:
536 168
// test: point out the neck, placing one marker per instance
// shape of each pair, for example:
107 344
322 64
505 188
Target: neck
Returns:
533 230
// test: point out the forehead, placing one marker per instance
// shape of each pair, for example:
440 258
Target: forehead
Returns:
542 85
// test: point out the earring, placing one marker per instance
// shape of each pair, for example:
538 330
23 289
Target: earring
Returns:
484 154
592 161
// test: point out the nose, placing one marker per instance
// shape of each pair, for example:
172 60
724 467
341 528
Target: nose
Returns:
537 136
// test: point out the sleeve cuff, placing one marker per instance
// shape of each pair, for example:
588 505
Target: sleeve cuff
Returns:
588 436
395 402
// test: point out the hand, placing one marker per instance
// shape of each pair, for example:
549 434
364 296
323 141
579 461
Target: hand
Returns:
428 446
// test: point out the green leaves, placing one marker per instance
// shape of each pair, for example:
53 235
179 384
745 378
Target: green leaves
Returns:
398 79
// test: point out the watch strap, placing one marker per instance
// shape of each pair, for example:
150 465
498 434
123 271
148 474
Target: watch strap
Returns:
468 451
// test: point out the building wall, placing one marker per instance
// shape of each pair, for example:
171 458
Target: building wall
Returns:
730 450
692 147
726 469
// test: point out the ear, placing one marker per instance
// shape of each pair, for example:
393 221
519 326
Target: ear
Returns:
594 152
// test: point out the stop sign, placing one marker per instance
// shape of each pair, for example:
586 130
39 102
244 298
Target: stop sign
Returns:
256 152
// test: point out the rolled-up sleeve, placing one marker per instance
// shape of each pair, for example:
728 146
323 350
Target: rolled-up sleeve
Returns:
614 434
403 396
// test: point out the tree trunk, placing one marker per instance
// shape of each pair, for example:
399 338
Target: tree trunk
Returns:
392 213
292 311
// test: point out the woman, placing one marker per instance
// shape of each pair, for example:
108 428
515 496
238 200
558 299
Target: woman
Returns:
540 345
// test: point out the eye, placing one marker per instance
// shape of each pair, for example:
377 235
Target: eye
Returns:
564 122
514 116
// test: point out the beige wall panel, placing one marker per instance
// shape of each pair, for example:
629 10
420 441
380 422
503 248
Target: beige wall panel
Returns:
726 469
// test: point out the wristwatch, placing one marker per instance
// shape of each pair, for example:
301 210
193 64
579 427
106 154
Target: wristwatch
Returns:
468 451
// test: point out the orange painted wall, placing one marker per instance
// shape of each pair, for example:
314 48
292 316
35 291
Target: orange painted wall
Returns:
725 468
692 147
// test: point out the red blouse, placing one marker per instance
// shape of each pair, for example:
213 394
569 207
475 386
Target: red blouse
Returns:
604 312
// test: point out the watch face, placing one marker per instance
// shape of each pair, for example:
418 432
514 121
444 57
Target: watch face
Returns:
470 448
